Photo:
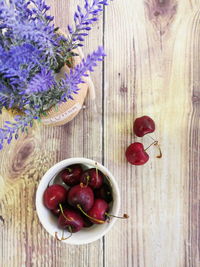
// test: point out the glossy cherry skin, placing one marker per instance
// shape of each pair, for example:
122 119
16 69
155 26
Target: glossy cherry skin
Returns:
98 210
71 218
82 195
54 195
104 192
72 174
93 177
143 125
136 155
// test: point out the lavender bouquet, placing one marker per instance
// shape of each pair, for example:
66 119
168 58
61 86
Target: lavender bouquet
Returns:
31 53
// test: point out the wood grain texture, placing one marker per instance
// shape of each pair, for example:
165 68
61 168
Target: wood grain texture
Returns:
155 47
152 67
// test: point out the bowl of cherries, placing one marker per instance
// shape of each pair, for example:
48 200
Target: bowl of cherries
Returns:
77 201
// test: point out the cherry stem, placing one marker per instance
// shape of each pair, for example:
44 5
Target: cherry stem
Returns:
61 209
70 230
155 143
94 219
69 169
151 137
88 179
160 152
87 182
96 171
125 216
63 238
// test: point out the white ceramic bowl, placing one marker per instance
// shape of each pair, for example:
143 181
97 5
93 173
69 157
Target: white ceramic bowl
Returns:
49 221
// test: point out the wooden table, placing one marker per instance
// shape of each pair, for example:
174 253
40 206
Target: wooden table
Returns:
152 67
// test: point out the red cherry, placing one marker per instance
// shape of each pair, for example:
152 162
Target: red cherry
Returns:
92 177
104 192
143 125
81 195
98 210
71 219
98 214
136 154
72 174
54 195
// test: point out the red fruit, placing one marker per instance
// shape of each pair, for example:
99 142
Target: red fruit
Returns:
92 177
136 154
98 210
143 125
81 195
54 195
71 218
104 192
72 174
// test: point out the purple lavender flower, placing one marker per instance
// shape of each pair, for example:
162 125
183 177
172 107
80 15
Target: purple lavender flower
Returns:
24 22
5 95
76 75
23 54
84 18
32 52
18 63
11 129
41 82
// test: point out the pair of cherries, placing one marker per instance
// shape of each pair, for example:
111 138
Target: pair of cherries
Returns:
135 153
84 202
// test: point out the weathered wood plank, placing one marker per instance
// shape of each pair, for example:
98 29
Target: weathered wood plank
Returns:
193 241
148 71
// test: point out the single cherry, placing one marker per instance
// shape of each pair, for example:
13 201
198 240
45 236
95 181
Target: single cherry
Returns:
136 154
81 195
98 214
72 174
104 192
54 195
92 177
71 220
143 125
98 211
